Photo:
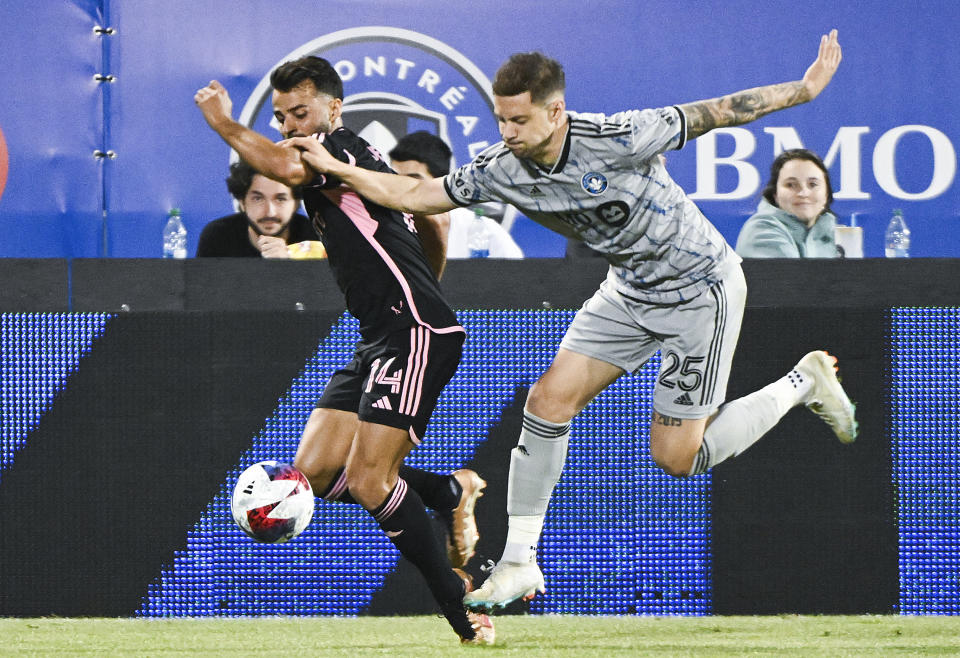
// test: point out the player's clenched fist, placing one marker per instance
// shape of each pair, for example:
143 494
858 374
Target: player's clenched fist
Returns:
214 101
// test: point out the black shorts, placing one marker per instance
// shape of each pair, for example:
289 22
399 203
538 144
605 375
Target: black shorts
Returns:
396 380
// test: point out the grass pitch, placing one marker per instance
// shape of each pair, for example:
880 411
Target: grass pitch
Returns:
516 635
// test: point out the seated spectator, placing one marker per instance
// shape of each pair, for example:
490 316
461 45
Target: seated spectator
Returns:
267 225
423 155
793 219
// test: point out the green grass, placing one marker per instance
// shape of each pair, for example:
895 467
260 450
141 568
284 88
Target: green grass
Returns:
516 635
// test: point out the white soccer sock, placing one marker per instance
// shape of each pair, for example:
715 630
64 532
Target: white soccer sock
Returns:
535 467
523 534
740 423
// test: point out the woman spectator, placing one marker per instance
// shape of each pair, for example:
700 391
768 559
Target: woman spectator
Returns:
793 219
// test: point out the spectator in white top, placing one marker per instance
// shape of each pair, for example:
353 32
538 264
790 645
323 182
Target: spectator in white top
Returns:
424 156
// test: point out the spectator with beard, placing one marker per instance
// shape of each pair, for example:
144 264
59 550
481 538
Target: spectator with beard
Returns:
267 225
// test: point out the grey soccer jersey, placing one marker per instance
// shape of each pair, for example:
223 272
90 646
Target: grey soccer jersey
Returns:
610 190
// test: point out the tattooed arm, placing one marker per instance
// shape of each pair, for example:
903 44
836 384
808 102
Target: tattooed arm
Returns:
746 106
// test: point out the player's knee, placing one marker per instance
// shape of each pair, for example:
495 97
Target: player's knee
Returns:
550 404
368 486
678 468
674 443
320 478
673 462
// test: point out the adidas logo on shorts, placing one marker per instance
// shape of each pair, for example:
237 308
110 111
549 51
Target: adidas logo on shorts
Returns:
684 399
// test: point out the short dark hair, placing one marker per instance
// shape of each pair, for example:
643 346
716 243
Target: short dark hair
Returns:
426 148
241 178
770 191
324 77
533 72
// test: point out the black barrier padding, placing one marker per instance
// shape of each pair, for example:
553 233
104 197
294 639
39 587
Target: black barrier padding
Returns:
33 285
404 591
801 523
133 450
207 284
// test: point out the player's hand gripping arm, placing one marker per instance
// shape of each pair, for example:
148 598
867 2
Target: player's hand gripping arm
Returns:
280 163
403 193
751 104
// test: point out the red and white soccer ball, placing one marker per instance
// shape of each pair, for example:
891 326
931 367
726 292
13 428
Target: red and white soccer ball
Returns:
272 502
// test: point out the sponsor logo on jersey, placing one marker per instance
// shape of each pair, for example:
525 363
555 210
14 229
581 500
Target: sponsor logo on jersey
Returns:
594 182
613 213
396 82
536 193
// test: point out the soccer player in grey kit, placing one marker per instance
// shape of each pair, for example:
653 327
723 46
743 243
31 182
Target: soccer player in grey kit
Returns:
674 284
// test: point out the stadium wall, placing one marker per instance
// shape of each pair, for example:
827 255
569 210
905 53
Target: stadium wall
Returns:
134 392
98 179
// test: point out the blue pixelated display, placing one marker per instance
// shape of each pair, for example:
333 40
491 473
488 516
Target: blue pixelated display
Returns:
621 537
924 431
38 351
332 568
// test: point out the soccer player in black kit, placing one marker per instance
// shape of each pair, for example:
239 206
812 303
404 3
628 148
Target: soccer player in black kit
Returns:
375 409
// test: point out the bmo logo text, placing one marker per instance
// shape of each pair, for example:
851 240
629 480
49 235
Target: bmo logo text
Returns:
927 174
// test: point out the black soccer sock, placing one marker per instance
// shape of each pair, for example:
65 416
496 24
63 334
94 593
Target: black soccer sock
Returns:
403 518
337 491
438 492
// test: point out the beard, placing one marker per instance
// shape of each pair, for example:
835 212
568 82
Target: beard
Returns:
321 127
255 227
530 151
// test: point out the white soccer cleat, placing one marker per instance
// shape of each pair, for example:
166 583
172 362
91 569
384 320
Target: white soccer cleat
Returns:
508 581
462 542
827 398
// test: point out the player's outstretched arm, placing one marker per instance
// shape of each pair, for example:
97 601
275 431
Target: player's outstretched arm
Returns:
272 160
751 104
403 193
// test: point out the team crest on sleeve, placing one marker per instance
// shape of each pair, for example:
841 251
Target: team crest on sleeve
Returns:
594 183
396 82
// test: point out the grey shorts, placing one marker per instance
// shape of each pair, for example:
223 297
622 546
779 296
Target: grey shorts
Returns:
696 340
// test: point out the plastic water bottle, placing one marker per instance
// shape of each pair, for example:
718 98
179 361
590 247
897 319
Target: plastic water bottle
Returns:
478 237
174 236
897 238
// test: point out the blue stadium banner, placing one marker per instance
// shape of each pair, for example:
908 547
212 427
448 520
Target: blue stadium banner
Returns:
102 137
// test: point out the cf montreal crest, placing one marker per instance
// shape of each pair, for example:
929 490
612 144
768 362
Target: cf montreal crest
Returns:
594 183
396 82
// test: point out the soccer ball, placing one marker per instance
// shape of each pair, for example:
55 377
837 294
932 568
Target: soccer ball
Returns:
272 502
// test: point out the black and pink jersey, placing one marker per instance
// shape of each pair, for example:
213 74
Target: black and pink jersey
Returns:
375 253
